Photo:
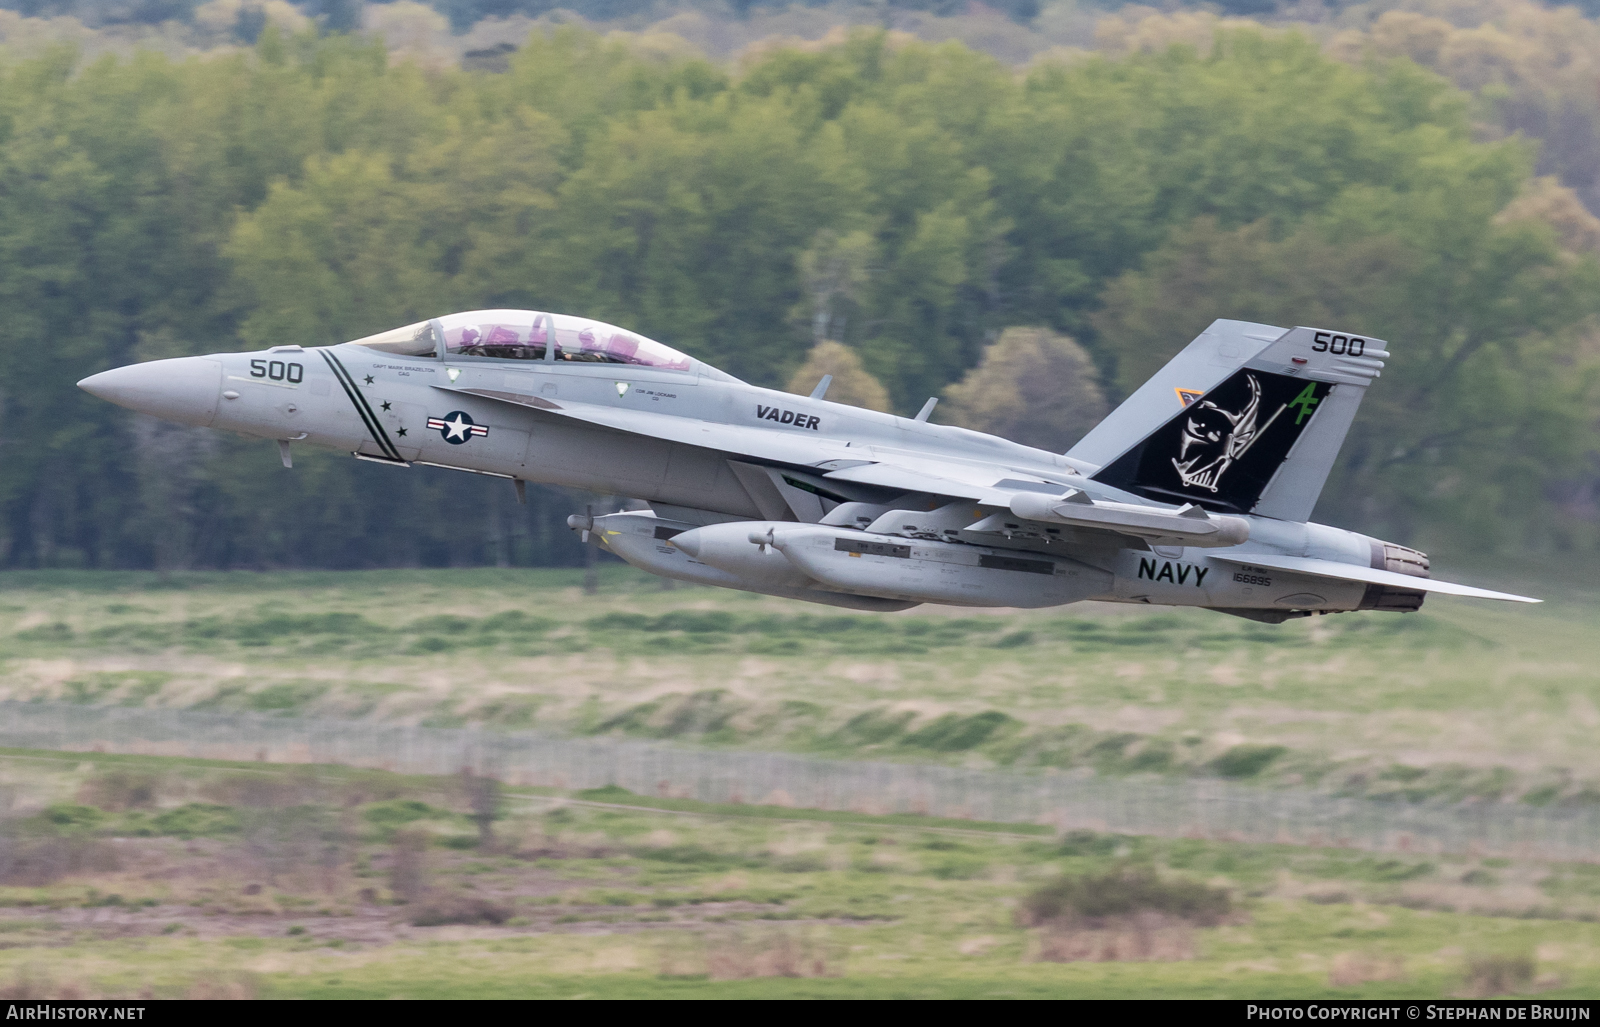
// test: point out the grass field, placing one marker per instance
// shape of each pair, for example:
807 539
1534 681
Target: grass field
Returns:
1464 699
170 877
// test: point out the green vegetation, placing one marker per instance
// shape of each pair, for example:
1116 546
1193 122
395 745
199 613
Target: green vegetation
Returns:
606 896
1350 704
192 820
908 201
1125 891
919 219
1247 760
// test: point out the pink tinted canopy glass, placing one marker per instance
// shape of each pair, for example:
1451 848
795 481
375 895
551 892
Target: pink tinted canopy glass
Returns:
526 335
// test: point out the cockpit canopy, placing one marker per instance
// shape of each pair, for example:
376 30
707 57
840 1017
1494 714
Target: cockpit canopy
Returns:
527 335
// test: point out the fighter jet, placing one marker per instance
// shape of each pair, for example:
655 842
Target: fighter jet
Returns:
1196 491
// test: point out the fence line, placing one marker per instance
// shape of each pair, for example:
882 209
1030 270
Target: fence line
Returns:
1066 801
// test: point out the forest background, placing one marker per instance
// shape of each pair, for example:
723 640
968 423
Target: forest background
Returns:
1024 208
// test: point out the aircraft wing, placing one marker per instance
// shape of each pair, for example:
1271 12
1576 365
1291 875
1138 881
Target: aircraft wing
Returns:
831 457
1370 575
1026 493
903 471
782 445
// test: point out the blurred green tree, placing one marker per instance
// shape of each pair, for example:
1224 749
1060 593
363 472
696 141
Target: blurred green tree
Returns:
1033 386
851 383
1478 405
907 201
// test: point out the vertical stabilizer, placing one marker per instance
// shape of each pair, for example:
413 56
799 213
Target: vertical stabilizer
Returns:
1218 351
1259 436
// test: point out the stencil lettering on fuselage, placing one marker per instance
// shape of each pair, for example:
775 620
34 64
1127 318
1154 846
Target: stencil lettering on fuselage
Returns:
1173 571
790 417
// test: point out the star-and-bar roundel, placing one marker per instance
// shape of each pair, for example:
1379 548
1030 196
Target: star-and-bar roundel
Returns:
456 427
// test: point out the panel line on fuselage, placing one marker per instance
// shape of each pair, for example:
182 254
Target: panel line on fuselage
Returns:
363 410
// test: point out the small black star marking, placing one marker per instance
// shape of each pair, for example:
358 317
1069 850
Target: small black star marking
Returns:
369 379
385 404
400 432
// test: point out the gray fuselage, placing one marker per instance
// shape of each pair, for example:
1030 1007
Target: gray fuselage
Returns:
662 436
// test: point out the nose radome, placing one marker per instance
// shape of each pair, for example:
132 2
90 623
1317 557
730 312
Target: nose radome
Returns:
184 389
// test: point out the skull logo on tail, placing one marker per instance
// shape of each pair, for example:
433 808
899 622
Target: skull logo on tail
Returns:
1213 438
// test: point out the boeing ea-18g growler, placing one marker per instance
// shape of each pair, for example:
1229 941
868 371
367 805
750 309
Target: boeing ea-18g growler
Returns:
1197 491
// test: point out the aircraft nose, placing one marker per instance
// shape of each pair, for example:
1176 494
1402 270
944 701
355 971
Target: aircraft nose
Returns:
184 389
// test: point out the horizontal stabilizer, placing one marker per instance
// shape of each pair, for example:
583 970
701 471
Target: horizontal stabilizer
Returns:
1372 576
